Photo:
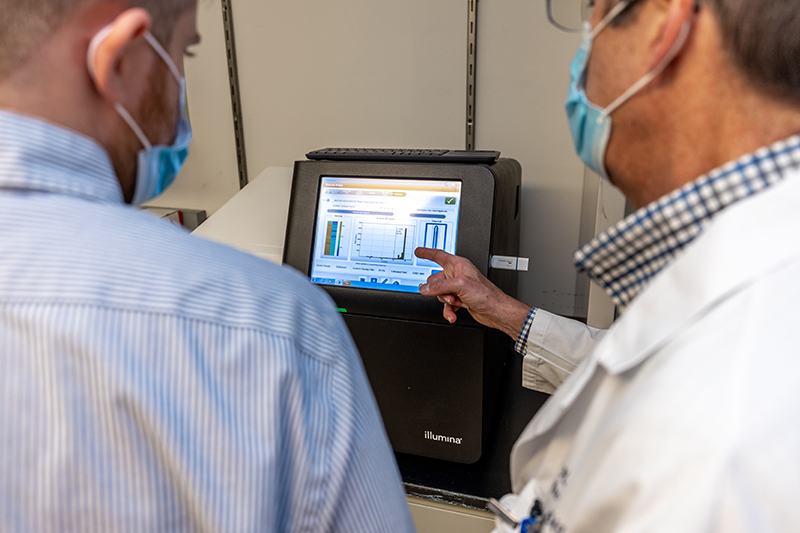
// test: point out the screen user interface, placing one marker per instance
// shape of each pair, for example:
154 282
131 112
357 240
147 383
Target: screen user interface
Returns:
368 228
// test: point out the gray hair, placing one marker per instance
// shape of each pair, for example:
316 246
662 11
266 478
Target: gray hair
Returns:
26 24
762 38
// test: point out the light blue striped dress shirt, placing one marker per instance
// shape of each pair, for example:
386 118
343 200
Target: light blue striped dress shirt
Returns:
153 381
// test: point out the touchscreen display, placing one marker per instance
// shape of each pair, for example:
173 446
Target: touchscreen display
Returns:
368 228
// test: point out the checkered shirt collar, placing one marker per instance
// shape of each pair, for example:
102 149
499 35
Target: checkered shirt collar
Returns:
627 256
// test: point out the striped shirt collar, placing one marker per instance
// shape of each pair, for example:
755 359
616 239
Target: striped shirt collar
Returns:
38 156
627 256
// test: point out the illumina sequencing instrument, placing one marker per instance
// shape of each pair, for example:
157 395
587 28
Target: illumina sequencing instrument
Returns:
368 228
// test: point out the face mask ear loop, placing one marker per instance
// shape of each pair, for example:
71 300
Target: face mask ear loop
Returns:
650 76
164 55
133 125
616 10
97 40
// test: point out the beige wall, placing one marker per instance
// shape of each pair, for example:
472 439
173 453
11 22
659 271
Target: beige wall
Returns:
317 73
523 76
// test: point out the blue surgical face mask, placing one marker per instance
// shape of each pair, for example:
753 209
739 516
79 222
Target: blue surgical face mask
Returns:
590 124
157 165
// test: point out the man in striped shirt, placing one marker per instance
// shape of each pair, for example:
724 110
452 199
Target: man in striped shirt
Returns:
149 380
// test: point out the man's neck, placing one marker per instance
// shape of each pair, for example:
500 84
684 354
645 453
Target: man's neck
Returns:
51 88
46 87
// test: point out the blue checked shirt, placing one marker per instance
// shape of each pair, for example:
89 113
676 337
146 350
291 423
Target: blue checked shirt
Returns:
153 381
627 256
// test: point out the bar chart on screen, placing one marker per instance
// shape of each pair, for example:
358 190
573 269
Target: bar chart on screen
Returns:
333 238
385 242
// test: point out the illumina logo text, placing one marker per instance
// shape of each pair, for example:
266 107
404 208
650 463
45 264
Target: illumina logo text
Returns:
430 435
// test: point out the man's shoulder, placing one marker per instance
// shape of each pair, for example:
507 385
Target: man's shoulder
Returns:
720 322
118 256
732 287
745 243
229 284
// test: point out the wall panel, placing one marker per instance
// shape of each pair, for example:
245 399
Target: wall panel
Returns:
316 73
523 76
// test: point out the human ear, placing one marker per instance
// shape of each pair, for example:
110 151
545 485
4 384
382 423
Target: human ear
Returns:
675 26
110 54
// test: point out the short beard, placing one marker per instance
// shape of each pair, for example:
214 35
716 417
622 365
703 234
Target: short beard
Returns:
153 118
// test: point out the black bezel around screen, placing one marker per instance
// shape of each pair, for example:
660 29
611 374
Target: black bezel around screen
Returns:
473 237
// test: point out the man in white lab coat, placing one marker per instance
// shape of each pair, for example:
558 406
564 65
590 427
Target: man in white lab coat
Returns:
684 415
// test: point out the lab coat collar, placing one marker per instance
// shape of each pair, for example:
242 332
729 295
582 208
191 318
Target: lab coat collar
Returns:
622 260
751 239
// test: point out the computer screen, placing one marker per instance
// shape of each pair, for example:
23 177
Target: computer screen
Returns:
367 229
353 227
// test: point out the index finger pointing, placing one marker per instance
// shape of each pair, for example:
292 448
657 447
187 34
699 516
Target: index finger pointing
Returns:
437 256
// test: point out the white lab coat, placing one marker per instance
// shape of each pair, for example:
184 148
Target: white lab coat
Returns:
686 415
556 346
